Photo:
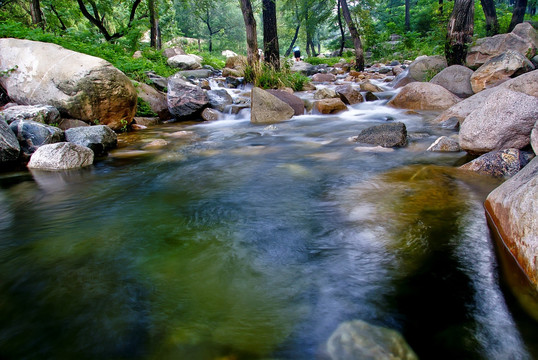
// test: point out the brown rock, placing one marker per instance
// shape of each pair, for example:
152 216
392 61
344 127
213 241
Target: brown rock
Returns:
424 96
267 108
349 95
210 114
501 163
295 102
323 78
330 106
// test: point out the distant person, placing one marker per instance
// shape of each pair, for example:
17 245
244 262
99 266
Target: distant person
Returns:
297 53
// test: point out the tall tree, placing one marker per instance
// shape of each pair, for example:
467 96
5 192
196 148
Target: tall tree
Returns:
359 54
341 27
250 25
460 31
155 31
492 24
519 13
36 14
407 16
270 34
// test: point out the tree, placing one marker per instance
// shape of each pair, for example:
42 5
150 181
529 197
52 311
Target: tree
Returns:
359 54
250 25
155 31
407 17
492 24
342 34
36 14
460 31
270 34
519 14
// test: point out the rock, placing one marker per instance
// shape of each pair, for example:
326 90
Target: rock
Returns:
330 106
138 55
498 69
197 74
526 83
386 135
295 102
185 100
359 340
31 135
325 93
323 77
71 123
500 163
489 47
423 96
155 144
219 99
236 62
231 72
9 145
397 70
160 83
463 108
78 85
228 53
61 156
402 79
525 31
154 98
513 208
267 108
370 96
445 144
184 62
303 68
534 61
534 138
39 113
504 121
425 67
210 114
368 86
99 138
147 121
233 82
456 79
349 95
173 51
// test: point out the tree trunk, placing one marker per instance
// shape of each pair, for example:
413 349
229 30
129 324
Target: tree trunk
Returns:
35 12
492 24
407 16
342 34
288 52
250 25
62 24
270 34
519 14
440 7
460 32
155 31
359 55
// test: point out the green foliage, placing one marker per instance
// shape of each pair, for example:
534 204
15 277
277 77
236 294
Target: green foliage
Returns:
7 72
212 59
268 78
144 110
330 61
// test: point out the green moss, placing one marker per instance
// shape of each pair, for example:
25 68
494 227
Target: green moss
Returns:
144 109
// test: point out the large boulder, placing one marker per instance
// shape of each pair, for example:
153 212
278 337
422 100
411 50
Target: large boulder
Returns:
369 87
61 156
267 108
295 102
489 47
99 138
9 145
534 138
456 79
45 114
526 83
31 135
173 51
237 62
330 106
325 93
80 86
219 99
320 77
197 74
513 207
303 68
500 68
359 340
423 96
526 31
349 95
425 67
184 62
500 163
155 99
185 100
385 135
504 121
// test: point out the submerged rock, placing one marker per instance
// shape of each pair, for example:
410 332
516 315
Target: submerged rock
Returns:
359 340
386 135
502 163
445 144
61 156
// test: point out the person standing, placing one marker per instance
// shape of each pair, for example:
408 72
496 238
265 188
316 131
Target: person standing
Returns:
297 53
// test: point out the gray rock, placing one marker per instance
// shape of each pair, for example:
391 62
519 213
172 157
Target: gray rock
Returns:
210 114
185 100
445 144
147 121
160 83
219 99
267 108
303 68
31 135
534 138
61 156
184 62
526 83
456 79
500 163
173 51
489 47
295 102
45 114
9 145
71 123
425 67
359 340
323 78
463 108
198 74
349 95
233 82
504 121
370 96
100 138
526 31
154 98
386 135
325 93
513 207
500 68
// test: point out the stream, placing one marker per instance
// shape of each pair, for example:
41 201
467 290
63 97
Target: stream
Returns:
241 241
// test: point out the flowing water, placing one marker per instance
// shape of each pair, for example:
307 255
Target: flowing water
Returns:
240 241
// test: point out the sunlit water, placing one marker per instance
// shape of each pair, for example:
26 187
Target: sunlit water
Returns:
238 241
